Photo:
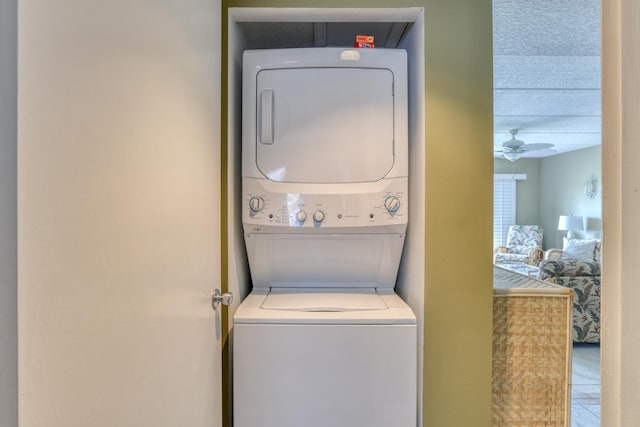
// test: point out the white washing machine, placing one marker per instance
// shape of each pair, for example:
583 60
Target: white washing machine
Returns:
322 339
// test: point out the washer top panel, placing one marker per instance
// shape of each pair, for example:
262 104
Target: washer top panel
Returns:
323 300
377 307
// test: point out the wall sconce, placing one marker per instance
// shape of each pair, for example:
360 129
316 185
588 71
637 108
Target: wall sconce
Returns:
590 187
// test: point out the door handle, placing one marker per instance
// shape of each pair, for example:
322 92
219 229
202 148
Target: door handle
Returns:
217 298
266 116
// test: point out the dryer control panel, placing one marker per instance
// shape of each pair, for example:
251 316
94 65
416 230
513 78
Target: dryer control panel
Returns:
321 207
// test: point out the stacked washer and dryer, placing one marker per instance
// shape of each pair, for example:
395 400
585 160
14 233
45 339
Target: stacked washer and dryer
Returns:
322 340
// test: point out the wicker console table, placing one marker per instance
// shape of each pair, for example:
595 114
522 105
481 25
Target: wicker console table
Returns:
520 267
532 342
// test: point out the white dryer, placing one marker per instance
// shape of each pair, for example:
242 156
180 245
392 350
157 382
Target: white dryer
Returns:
322 339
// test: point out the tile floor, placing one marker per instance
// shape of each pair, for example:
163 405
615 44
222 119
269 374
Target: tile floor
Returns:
585 393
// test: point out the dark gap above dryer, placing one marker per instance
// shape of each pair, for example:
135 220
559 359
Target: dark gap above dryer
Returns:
274 35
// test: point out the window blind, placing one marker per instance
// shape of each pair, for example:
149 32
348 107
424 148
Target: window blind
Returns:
504 205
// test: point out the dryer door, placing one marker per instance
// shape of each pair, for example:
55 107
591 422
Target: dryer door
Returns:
325 125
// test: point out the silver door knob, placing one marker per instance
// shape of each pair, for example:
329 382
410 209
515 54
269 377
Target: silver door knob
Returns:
217 298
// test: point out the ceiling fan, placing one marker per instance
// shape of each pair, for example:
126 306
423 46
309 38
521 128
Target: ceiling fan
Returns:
514 148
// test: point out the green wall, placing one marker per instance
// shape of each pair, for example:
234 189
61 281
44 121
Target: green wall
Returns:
562 179
554 187
527 191
8 214
459 168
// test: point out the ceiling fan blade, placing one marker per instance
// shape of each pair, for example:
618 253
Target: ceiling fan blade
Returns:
513 144
533 147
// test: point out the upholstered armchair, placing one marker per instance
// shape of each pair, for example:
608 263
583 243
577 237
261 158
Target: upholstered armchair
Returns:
524 245
577 266
583 277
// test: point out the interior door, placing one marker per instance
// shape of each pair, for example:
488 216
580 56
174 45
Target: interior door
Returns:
119 194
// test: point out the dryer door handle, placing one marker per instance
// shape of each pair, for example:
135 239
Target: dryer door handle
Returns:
266 116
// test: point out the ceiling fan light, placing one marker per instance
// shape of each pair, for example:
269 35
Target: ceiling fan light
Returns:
512 156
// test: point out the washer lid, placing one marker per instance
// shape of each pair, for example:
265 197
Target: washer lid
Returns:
252 311
325 300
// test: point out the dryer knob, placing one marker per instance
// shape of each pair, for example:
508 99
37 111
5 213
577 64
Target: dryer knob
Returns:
318 216
392 203
256 204
301 216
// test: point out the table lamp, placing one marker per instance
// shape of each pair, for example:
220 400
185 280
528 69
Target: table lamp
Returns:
570 223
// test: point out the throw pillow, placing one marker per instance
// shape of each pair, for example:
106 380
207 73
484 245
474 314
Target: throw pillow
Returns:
578 249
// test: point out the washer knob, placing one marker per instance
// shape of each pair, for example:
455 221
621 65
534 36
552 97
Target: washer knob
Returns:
318 216
256 204
301 216
392 203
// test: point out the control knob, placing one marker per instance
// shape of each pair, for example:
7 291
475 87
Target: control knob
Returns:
318 216
256 204
392 203
301 216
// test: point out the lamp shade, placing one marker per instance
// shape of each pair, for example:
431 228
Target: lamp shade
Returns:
570 222
512 155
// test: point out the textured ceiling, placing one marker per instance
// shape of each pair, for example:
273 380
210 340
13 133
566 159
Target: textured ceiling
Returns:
547 73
